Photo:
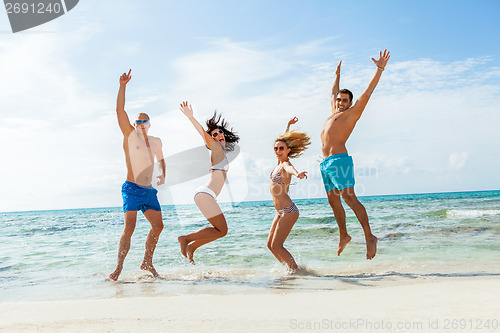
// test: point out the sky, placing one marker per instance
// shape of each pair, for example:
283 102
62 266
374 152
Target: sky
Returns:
430 126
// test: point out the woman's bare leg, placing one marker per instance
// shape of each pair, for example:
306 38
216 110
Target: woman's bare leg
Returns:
270 238
283 227
212 212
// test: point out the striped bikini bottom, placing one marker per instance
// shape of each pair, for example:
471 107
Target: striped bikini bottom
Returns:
288 209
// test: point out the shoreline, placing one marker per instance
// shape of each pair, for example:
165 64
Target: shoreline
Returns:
427 305
207 280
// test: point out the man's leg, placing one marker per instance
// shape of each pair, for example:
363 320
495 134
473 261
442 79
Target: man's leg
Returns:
371 241
339 213
154 217
124 246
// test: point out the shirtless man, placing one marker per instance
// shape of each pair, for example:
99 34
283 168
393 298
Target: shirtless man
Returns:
337 168
138 194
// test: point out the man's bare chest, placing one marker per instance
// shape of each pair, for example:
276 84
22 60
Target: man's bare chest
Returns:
335 121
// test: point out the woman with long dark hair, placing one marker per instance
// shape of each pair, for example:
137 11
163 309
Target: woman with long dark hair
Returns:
218 138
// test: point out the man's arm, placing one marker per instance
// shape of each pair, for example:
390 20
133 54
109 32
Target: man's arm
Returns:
336 86
363 99
161 162
122 116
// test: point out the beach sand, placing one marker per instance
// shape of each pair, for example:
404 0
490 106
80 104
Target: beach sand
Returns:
457 304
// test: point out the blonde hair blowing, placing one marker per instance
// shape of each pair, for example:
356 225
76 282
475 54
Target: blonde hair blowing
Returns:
296 141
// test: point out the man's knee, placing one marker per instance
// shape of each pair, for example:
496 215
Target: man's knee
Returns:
128 231
349 196
333 198
158 227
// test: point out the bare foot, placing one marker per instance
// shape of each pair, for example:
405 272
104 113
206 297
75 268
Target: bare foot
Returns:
343 241
183 242
190 254
150 268
292 267
293 270
371 247
114 276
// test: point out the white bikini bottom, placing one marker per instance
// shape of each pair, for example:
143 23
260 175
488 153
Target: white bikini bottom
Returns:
204 189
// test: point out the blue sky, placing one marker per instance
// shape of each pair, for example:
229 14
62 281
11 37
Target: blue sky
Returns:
431 125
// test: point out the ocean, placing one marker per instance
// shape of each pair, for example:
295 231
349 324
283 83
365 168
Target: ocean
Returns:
68 254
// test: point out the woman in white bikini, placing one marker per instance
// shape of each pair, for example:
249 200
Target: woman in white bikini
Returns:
289 145
219 139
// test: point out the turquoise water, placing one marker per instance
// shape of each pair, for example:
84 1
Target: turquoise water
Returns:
68 254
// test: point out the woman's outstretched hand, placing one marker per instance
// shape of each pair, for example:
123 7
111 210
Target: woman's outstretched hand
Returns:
302 175
187 110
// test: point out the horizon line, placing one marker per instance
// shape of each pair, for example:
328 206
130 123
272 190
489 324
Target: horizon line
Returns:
229 202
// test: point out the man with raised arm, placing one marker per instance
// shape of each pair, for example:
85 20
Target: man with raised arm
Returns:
138 194
337 168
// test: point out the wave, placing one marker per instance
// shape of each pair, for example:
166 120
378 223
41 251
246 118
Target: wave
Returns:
467 213
471 212
438 213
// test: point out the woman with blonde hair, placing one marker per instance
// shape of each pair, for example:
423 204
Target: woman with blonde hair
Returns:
218 138
291 144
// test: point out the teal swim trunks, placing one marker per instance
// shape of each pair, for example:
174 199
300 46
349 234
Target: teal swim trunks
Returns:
136 197
337 172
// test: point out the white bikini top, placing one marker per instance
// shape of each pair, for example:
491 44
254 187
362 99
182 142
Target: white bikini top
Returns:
222 165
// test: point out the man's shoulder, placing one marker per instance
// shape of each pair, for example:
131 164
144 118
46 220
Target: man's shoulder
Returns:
155 141
154 138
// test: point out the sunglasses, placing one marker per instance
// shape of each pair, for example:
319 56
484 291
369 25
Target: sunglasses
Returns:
215 134
280 148
139 122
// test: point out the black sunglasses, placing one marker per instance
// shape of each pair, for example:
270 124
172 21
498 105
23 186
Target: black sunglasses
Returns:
215 134
279 148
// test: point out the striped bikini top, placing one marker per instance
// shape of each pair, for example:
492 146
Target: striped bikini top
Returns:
275 175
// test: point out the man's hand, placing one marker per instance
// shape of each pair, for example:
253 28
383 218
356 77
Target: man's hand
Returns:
336 86
161 180
337 72
187 110
382 60
125 78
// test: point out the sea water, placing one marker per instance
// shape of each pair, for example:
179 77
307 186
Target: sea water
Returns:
68 254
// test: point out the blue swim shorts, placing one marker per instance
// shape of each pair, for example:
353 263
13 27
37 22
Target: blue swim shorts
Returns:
337 172
137 197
